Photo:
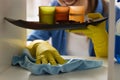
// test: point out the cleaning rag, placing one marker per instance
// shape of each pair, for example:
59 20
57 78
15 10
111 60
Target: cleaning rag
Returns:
25 60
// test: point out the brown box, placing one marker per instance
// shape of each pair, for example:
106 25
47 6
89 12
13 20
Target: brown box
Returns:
61 13
76 13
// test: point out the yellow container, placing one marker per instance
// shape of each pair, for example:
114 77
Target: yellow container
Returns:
76 13
47 14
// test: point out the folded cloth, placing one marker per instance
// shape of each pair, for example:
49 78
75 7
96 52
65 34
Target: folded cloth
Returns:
26 61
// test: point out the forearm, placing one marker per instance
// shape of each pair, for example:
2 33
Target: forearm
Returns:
100 42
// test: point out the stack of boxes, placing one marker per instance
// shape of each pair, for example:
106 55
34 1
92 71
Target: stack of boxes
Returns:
53 14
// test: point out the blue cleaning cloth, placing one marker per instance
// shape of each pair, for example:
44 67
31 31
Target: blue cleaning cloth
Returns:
26 61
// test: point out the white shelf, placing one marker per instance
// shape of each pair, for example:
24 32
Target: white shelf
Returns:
9 36
111 39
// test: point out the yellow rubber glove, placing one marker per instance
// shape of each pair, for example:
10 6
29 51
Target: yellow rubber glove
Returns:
98 35
45 53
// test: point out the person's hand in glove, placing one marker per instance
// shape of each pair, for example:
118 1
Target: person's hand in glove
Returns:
98 35
45 53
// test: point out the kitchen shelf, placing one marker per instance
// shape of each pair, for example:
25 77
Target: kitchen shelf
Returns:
60 25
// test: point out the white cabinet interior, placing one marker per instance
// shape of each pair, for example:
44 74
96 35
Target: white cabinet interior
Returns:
12 38
111 40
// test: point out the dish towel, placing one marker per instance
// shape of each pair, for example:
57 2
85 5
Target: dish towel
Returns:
26 61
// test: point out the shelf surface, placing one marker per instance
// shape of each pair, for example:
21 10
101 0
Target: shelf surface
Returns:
61 25
17 73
